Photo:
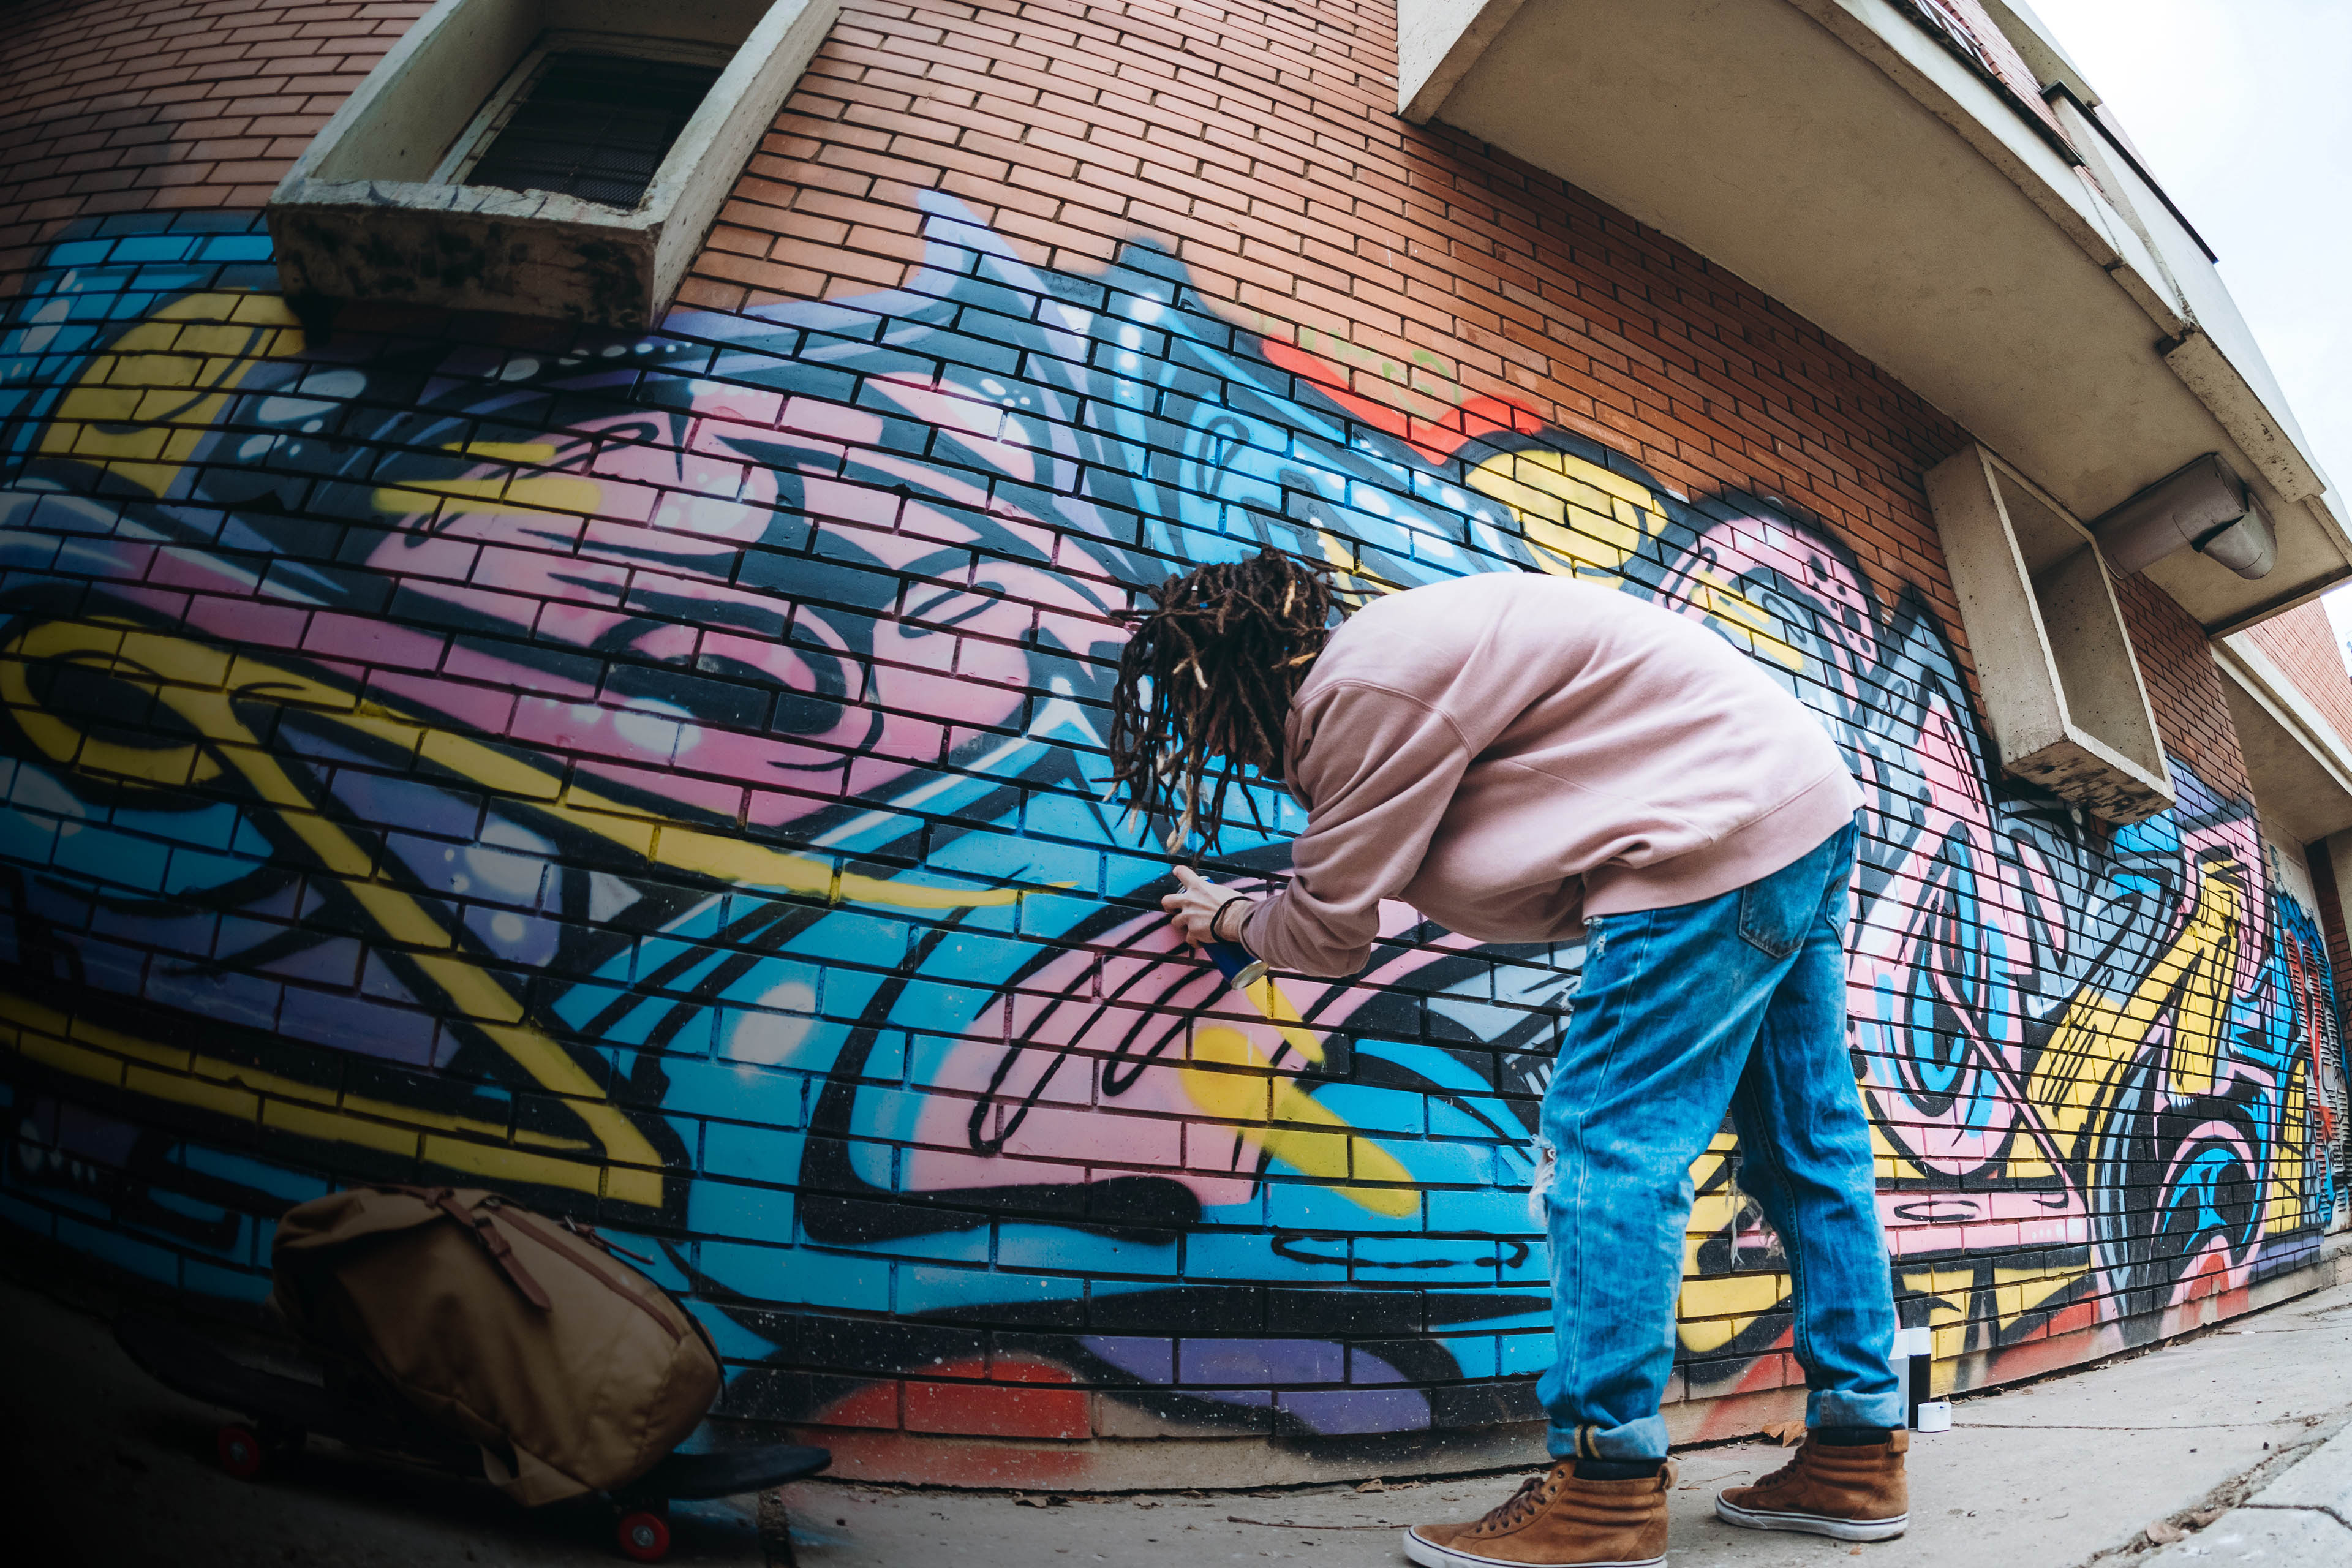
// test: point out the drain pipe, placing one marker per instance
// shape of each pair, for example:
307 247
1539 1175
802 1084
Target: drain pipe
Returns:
2202 507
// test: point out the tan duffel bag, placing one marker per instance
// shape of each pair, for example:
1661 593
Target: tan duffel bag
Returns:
574 1372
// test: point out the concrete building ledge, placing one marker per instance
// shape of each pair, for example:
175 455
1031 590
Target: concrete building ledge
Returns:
2300 768
2002 262
367 213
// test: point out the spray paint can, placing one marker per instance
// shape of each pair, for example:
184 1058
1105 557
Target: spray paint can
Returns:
1233 961
1915 1366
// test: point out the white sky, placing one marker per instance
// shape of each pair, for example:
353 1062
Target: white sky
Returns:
2242 110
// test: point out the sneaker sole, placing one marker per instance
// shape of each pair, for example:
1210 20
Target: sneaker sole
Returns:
1814 1523
1429 1554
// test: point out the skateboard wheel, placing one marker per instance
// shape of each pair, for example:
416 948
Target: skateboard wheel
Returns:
644 1537
240 1451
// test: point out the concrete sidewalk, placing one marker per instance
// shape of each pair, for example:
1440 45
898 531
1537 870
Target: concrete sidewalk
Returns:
2057 1474
2233 1429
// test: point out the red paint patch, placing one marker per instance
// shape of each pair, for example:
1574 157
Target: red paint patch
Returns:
996 1410
1733 1415
2073 1338
1436 439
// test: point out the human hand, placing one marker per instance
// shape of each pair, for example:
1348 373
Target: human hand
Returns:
1192 910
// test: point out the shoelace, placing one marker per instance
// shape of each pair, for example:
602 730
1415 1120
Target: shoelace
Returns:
1518 1507
1786 1472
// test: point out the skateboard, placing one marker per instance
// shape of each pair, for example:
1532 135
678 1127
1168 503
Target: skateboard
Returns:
279 1411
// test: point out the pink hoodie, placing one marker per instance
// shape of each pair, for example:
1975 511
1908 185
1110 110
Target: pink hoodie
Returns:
1509 753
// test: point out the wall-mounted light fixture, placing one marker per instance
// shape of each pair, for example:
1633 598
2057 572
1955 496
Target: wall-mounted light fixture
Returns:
2202 507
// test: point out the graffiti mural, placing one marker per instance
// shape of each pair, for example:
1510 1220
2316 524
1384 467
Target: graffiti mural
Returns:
663 776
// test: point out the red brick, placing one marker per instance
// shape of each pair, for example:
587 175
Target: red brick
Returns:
991 1410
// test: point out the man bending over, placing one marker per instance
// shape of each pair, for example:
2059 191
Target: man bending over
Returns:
1524 757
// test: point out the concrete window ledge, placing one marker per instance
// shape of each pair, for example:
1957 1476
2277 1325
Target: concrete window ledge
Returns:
366 213
2062 687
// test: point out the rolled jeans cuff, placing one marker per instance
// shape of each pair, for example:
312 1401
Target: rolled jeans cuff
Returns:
1642 1439
1836 1407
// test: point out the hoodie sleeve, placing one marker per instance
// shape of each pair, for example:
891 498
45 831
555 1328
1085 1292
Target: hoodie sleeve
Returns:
1377 770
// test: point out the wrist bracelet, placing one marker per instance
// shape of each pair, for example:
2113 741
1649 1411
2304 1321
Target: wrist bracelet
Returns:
1217 925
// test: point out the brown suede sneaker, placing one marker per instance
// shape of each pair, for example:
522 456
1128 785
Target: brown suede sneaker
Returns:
1558 1521
1847 1494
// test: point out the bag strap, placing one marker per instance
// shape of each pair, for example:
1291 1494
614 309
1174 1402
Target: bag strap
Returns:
482 1224
590 1233
588 1265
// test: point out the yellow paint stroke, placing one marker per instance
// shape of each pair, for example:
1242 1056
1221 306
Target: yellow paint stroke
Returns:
1723 600
141 409
1273 1005
2282 1202
2019 1292
185 674
1717 1203
1727 1303
41 1034
1352 587
2099 1036
1953 1292
1888 1162
199 686
469 990
1233 1083
530 495
1715 1310
1587 522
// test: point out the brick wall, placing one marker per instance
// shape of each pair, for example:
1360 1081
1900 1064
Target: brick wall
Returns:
662 775
1262 149
121 106
2303 643
2192 714
2322 868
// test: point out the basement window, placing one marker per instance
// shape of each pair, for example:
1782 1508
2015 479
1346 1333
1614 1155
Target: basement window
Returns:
2062 687
561 158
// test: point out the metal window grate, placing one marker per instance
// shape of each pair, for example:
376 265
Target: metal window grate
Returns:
594 126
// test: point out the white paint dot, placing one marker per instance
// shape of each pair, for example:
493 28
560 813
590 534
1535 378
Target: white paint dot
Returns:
506 873
768 1036
293 410
709 514
56 311
651 725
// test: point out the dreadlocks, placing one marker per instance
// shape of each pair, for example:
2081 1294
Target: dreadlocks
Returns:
1224 648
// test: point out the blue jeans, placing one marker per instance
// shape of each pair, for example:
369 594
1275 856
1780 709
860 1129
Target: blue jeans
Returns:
1736 1002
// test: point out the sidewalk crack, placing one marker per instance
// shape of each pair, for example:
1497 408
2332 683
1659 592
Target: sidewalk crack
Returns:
2168 1426
2301 1508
